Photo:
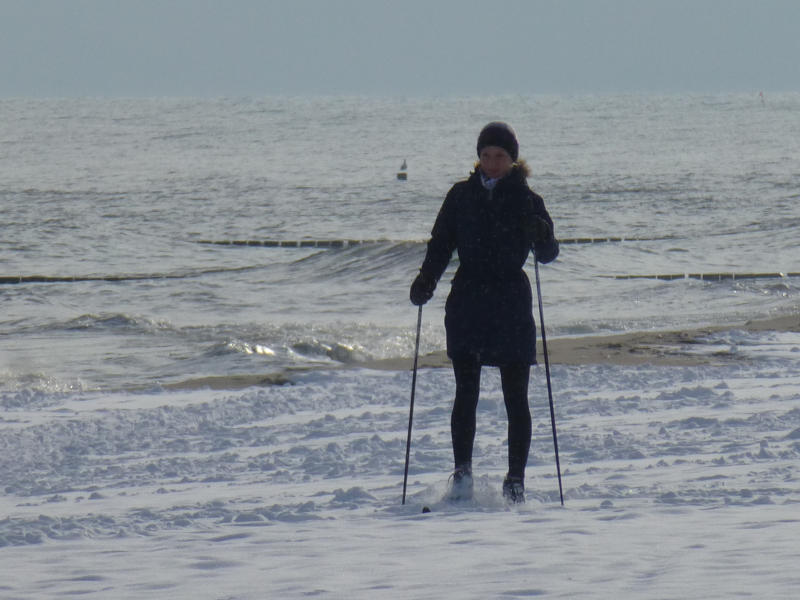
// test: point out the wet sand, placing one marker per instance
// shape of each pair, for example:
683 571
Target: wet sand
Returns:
666 348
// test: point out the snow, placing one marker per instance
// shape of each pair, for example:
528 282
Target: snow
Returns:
680 482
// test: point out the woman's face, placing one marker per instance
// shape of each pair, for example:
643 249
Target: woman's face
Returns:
495 162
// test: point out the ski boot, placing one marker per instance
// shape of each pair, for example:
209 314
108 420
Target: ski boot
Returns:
514 489
461 484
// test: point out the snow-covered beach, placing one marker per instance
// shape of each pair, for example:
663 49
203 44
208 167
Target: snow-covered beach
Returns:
680 482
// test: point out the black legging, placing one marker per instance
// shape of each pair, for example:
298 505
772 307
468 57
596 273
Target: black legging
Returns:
515 395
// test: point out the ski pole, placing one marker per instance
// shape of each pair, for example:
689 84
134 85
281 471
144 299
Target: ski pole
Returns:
411 408
547 374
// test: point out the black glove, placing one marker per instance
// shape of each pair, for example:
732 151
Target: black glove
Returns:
540 230
422 289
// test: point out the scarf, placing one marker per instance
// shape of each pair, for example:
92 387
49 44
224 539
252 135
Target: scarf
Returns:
488 182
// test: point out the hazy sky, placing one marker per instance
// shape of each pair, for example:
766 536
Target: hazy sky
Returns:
395 47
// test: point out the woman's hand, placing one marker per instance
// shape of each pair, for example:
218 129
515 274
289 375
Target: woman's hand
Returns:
422 289
539 230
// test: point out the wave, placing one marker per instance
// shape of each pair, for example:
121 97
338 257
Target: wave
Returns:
240 347
363 262
300 350
114 321
34 390
336 351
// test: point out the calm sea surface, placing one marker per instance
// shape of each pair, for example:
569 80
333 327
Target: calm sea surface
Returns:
106 205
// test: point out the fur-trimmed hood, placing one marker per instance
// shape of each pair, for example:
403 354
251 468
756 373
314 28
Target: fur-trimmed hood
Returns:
519 168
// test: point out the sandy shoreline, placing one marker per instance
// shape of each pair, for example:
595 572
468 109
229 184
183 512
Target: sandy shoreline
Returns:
660 348
665 348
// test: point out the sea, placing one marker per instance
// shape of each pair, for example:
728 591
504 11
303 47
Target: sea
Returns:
155 242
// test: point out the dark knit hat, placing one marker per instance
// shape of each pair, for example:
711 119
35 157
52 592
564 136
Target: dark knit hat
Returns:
499 134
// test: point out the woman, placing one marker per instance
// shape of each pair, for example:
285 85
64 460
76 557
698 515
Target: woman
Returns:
492 220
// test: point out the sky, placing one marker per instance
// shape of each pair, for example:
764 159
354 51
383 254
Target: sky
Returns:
66 48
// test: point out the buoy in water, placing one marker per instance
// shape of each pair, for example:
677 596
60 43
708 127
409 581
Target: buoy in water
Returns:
402 175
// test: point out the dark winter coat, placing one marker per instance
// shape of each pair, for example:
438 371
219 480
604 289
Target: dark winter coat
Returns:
489 312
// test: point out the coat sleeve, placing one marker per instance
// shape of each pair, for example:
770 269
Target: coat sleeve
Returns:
546 251
443 239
